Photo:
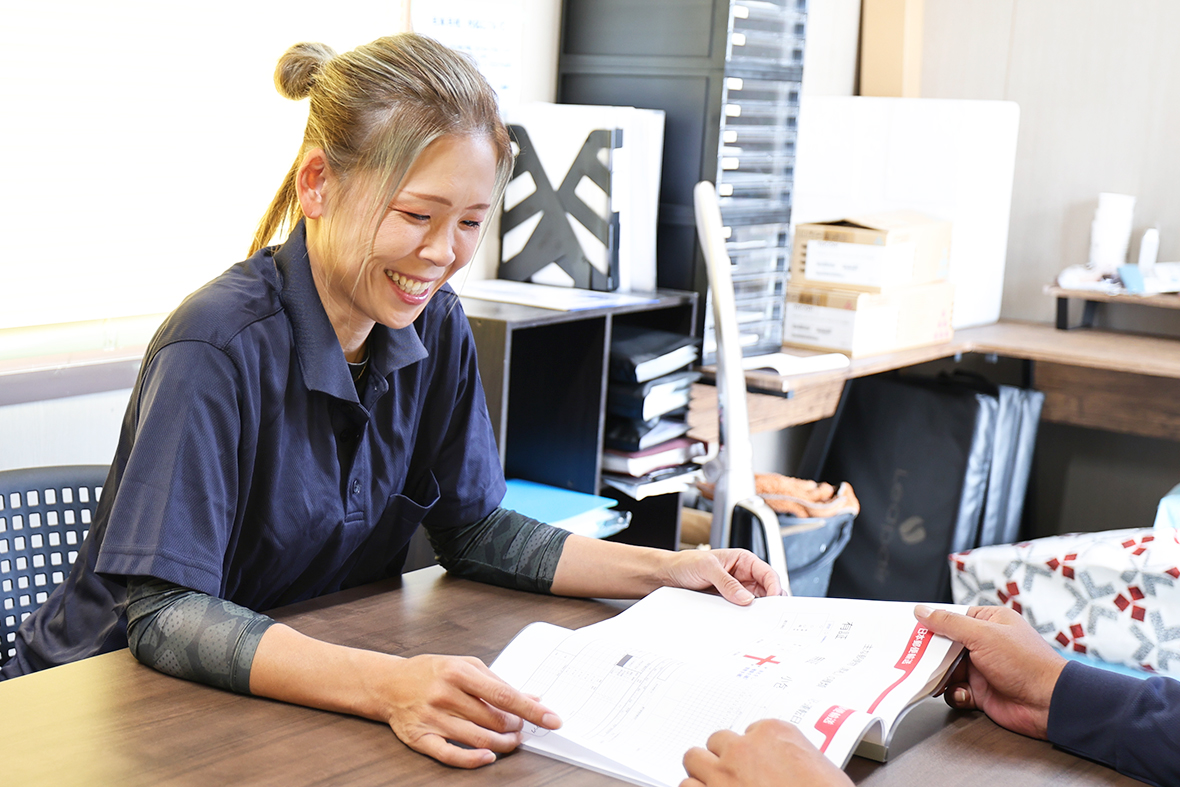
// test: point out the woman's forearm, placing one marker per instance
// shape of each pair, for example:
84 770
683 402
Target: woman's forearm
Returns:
295 668
451 708
604 569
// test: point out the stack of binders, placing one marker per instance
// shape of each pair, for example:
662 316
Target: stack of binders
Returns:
646 450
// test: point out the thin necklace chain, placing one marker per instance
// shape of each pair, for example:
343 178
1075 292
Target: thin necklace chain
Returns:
358 368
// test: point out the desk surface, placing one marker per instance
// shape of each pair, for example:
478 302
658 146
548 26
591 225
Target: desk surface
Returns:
779 402
109 720
1118 352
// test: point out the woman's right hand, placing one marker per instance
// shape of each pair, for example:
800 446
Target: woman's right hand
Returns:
438 705
452 708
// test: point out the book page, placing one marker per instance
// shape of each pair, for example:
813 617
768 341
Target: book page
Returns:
645 686
519 660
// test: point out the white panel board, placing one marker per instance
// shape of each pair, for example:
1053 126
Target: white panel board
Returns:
951 159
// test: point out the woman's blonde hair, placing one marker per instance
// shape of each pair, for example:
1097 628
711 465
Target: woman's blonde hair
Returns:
375 109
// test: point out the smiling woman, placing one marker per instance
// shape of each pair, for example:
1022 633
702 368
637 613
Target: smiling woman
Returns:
403 157
297 419
429 232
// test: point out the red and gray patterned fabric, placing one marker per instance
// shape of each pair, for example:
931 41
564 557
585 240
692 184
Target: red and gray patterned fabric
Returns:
1113 595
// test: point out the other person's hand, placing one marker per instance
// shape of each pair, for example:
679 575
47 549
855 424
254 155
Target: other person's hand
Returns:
771 753
436 702
737 574
1010 671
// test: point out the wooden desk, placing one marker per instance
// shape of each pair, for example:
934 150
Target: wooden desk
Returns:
109 720
1100 379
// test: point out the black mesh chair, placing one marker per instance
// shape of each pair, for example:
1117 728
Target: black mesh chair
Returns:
45 513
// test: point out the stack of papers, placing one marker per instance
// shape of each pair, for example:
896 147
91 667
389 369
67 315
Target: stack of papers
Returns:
665 481
651 399
543 296
640 354
637 463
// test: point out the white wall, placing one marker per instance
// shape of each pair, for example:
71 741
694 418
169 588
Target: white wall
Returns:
84 429
830 56
1098 85
542 37
78 430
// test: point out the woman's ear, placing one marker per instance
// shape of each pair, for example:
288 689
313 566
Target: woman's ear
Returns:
311 180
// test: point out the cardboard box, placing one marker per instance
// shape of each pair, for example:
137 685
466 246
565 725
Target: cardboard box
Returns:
862 323
875 252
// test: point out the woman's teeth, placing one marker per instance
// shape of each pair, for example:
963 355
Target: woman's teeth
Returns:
409 286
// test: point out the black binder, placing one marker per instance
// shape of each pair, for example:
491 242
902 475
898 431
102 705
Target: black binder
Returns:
661 395
641 354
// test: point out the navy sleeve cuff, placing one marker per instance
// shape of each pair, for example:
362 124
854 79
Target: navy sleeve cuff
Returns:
1128 723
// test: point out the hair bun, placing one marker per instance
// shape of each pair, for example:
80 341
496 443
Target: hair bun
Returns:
297 69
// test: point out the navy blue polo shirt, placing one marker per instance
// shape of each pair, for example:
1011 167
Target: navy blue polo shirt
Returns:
249 468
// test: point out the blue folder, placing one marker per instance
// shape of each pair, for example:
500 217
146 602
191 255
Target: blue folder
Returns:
549 503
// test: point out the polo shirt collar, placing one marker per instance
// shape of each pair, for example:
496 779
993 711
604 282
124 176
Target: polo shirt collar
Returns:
320 358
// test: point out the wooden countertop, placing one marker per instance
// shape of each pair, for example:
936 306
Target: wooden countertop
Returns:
1121 352
778 402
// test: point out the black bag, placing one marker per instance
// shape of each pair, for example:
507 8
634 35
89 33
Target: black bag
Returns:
930 461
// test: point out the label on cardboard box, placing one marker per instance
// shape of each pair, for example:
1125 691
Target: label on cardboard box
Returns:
854 331
862 324
877 330
821 326
833 262
921 244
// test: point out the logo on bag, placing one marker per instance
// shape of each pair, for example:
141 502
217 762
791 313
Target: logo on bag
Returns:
913 530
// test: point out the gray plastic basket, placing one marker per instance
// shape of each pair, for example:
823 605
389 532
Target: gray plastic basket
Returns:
811 545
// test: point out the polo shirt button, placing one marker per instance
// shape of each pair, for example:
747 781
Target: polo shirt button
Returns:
356 487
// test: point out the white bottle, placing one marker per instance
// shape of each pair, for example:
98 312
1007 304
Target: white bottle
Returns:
1149 249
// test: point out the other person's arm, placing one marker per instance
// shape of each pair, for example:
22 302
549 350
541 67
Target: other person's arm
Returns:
1010 671
770 754
1017 679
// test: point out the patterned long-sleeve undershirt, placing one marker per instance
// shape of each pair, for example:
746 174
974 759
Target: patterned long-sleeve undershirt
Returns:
198 637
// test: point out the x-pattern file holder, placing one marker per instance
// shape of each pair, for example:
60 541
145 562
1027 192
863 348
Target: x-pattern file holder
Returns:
552 240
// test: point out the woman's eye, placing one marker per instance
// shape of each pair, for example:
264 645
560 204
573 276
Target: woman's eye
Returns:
472 224
416 216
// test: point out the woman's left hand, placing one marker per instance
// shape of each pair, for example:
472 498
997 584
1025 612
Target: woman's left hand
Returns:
737 574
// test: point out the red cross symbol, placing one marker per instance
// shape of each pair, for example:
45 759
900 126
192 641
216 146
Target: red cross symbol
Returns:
1078 632
1137 612
1139 549
1013 591
1066 571
763 659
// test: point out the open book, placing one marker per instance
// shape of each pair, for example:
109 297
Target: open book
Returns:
637 691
